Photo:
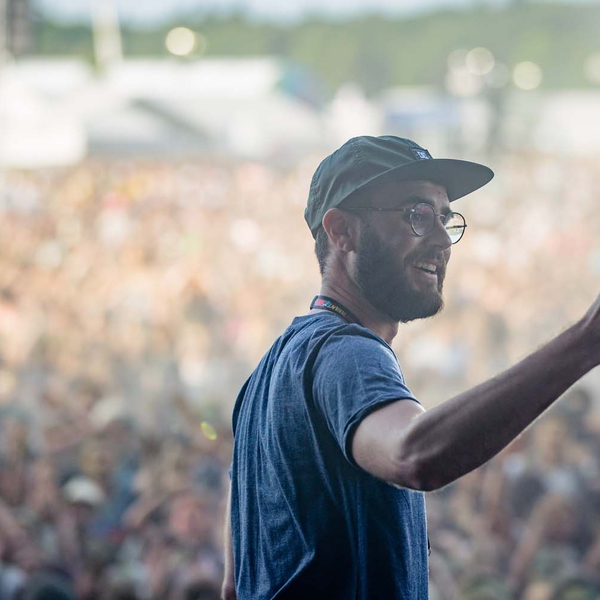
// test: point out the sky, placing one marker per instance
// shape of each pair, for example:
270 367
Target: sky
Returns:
148 12
151 12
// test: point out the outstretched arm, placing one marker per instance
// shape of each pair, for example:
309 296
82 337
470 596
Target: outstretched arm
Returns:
403 444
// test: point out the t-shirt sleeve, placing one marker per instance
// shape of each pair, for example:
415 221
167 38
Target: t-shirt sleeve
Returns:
355 373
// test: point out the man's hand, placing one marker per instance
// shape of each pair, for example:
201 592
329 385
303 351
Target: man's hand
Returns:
228 591
228 588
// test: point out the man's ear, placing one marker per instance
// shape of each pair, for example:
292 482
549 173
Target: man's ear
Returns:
341 228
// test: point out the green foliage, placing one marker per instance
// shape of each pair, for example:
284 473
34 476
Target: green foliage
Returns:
73 40
375 51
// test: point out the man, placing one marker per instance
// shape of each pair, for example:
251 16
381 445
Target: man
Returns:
332 451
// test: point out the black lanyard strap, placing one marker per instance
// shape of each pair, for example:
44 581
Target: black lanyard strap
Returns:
326 303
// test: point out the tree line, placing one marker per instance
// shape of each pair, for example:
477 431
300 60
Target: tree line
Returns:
374 51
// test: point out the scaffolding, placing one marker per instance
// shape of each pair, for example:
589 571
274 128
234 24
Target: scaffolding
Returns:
15 29
3 32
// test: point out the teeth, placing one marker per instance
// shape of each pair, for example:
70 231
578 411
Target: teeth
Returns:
427 266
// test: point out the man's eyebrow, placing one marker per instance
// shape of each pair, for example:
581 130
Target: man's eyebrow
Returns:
413 199
416 199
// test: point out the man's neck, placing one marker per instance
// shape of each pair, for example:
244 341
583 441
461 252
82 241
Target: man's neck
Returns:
367 315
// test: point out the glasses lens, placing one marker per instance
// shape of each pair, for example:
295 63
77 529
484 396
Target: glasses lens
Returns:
422 218
455 226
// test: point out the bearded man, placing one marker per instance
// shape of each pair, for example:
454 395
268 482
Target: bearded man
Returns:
332 451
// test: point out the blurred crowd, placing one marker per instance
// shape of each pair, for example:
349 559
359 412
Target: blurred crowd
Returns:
136 297
527 525
114 514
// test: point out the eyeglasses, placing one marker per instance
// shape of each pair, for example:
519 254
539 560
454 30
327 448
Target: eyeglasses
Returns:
422 219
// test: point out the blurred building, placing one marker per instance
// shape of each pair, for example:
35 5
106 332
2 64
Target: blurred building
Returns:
252 108
561 122
351 113
229 107
58 112
38 126
423 114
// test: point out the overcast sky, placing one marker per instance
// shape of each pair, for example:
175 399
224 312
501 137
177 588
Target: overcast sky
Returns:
152 11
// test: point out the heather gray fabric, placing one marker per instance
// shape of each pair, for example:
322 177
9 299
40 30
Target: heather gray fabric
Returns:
306 521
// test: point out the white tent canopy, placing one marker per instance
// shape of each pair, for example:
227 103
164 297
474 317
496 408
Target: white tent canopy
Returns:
153 107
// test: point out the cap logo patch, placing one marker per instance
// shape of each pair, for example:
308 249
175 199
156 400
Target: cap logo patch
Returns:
420 154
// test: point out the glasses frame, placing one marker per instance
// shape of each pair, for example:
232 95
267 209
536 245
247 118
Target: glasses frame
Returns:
445 217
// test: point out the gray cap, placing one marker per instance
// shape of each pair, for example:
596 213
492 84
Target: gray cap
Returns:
365 160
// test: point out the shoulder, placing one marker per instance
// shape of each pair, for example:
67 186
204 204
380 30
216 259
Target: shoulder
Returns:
358 345
326 330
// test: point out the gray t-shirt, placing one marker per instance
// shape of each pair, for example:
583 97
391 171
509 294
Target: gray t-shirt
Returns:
306 521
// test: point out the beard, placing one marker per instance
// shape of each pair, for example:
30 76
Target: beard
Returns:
384 282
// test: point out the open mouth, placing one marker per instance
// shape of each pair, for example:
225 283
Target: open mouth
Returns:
426 267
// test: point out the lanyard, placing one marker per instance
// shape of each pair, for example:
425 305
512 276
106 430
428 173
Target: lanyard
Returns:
326 303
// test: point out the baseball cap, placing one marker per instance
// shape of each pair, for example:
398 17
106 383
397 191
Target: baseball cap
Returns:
365 161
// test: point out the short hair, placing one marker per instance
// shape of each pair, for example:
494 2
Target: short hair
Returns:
321 248
321 237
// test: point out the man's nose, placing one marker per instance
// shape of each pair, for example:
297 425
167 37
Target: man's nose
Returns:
439 234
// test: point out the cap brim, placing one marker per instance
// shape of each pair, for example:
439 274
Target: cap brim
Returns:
458 177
